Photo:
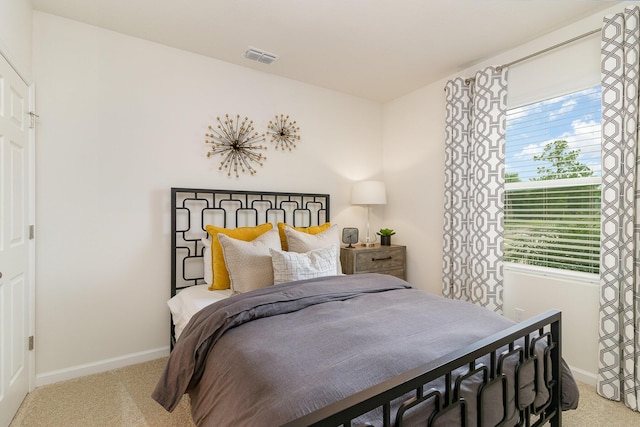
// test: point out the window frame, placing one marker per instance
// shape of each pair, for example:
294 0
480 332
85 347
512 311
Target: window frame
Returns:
537 270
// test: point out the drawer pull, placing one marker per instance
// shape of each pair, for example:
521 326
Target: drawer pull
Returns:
381 259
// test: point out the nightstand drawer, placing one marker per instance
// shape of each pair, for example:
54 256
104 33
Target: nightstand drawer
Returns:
380 260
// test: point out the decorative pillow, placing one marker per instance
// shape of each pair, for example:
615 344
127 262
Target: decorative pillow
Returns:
290 266
303 242
220 274
314 229
249 263
206 257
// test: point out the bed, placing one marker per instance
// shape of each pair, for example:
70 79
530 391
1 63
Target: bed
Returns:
348 349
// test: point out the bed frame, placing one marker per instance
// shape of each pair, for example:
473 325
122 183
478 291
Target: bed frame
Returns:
193 209
548 327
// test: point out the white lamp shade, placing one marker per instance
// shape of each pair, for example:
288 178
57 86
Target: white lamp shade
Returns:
368 193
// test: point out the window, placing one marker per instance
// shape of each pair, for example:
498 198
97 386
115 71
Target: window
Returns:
552 183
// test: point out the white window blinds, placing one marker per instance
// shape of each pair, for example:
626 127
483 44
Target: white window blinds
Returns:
552 190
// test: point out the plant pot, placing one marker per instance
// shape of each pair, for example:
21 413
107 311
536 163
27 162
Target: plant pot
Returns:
385 240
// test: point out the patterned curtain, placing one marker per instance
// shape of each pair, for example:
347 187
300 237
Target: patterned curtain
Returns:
474 187
619 344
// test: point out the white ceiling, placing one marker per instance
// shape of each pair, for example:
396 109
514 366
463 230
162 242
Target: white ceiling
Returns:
375 49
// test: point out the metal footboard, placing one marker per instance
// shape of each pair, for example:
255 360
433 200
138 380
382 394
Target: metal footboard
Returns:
523 340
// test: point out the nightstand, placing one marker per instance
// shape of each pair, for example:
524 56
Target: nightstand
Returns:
378 259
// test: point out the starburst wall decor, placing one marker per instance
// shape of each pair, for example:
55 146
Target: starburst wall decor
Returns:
283 132
237 144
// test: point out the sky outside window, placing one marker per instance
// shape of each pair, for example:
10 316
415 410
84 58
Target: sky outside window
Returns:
575 118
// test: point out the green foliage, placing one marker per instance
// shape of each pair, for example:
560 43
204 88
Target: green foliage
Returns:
540 229
386 232
564 162
555 227
510 177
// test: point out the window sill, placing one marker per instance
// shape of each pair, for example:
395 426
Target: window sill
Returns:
553 273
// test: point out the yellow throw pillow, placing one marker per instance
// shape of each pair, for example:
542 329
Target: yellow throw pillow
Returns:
314 229
220 274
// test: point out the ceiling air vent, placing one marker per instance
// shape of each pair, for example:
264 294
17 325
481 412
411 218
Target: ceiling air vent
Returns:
259 55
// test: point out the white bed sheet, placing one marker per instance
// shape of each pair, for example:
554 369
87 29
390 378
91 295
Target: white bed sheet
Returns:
191 300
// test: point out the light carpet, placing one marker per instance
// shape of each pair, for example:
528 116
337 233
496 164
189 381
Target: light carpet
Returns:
122 398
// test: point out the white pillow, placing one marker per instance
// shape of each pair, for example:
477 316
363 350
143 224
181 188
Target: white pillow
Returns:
302 242
290 266
249 263
206 256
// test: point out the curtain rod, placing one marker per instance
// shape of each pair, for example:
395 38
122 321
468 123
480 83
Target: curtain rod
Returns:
555 46
468 80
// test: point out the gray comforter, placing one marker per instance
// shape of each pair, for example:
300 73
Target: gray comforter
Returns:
269 356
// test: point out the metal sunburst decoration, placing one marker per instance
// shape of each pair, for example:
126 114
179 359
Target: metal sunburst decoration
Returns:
283 132
236 142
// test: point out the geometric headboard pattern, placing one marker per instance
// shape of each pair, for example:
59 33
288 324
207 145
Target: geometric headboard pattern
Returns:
193 209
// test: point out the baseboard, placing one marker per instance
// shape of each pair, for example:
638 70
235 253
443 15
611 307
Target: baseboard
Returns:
585 377
145 356
99 366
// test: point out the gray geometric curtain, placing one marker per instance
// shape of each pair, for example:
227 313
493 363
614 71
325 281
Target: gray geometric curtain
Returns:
474 188
619 344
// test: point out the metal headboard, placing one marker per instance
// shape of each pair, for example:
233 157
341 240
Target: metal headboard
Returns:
193 209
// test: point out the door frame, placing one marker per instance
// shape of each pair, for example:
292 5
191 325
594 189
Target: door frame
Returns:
31 285
32 241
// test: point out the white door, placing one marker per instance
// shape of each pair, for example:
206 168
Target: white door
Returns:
15 246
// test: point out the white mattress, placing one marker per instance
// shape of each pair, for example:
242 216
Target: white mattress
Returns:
191 300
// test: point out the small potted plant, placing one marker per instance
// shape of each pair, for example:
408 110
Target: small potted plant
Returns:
385 236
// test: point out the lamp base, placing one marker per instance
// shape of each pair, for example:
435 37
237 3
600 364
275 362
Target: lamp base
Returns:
368 245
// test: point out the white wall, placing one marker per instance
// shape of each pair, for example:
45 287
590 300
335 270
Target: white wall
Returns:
577 299
121 121
414 170
15 33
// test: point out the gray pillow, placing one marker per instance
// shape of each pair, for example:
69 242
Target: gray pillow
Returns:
249 263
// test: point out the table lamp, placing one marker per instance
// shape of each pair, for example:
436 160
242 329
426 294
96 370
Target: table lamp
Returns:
368 193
